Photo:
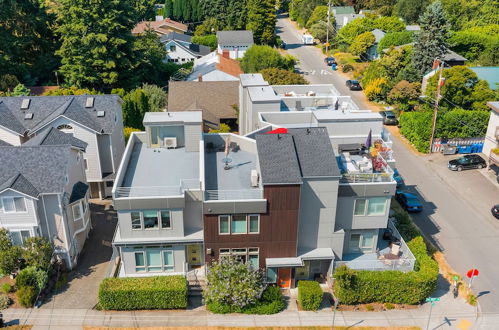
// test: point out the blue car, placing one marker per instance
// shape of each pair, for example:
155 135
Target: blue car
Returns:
408 201
398 178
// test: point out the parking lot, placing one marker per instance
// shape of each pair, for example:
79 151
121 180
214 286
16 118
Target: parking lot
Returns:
83 282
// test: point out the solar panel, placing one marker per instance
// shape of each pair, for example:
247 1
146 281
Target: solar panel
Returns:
101 113
25 104
28 115
90 102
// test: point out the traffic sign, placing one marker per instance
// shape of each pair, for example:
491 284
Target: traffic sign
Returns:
430 299
472 272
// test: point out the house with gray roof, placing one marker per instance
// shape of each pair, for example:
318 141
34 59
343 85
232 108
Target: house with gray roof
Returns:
235 43
95 120
372 52
180 48
44 192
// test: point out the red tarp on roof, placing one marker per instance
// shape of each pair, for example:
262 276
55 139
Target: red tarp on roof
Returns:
278 131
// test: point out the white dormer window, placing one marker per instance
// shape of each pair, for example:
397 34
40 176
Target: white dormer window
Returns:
14 204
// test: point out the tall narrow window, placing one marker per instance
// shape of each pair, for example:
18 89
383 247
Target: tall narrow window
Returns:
136 223
140 265
223 224
77 212
254 224
151 219
238 224
360 207
165 220
253 258
168 260
20 204
153 260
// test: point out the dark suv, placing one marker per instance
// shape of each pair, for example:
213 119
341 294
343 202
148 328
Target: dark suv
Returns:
389 118
354 85
330 61
466 162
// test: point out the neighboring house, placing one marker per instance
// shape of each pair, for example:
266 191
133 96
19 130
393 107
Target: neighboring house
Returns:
235 43
94 119
372 52
43 192
181 49
160 26
218 100
344 15
492 135
215 67
450 59
488 73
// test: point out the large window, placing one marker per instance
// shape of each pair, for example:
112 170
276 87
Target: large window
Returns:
370 206
14 204
77 211
244 255
154 259
19 237
151 219
239 224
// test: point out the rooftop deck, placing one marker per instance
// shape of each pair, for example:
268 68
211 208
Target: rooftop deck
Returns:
158 172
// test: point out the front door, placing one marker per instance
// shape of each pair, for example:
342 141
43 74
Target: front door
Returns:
194 254
284 278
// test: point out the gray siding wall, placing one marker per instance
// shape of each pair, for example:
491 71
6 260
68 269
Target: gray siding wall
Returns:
51 220
193 215
118 142
128 258
318 199
9 137
192 133
149 203
177 226
346 220
257 107
28 218
338 243
104 142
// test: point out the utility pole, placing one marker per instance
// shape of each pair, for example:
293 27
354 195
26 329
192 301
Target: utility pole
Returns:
435 110
327 26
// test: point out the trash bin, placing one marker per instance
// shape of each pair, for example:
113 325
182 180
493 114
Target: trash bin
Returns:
333 67
448 149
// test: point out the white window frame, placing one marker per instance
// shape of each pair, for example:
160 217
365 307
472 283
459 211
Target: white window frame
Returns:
158 213
377 214
141 222
162 250
161 220
228 224
249 223
355 206
14 203
79 206
366 208
163 262
20 234
145 261
246 227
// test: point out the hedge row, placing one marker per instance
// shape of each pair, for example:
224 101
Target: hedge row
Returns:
160 292
358 287
309 295
272 302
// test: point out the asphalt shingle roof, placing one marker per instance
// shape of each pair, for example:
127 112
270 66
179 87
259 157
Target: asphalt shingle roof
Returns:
300 153
44 167
19 183
230 38
54 137
47 108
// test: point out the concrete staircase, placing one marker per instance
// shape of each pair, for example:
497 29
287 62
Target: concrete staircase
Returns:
197 281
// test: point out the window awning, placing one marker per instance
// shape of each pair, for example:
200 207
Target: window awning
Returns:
318 254
283 262
315 254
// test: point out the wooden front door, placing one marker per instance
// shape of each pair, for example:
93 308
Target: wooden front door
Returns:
284 278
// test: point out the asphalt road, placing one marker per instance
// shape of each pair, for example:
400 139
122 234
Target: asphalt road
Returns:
457 206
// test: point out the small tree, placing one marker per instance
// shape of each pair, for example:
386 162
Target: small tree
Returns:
9 254
403 93
319 14
319 31
257 58
37 252
362 43
233 283
21 90
156 96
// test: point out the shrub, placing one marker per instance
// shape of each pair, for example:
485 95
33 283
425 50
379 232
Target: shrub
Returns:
347 68
9 254
389 306
208 40
257 58
416 127
30 276
159 292
37 252
6 287
354 287
472 299
4 301
276 76
370 308
377 89
26 295
496 151
309 295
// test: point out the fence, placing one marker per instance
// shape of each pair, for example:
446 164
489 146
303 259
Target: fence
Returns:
234 194
464 145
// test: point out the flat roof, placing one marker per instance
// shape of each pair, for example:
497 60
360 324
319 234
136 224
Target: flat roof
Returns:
263 93
252 79
159 167
339 115
173 117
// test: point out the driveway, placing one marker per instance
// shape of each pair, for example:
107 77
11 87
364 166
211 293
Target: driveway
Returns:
456 205
83 282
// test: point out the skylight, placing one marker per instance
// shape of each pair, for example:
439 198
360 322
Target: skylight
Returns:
28 115
101 113
25 104
89 103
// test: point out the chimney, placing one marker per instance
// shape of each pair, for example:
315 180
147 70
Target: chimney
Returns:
226 53
200 77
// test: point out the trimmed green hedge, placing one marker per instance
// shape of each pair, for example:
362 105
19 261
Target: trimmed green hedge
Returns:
309 295
359 287
160 292
272 302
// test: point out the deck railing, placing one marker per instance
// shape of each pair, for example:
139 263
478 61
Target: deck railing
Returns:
233 194
158 191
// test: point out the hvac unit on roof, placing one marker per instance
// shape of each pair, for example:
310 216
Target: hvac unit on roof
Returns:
254 178
101 113
90 102
25 104
170 142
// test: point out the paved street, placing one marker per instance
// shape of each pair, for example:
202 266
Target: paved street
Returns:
457 205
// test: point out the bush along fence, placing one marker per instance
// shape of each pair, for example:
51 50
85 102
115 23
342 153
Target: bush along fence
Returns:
309 295
160 292
461 145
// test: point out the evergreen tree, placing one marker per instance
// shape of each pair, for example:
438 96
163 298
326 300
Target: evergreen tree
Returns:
213 8
431 41
168 9
148 65
236 15
186 10
410 10
194 10
177 10
262 20
135 105
144 10
96 42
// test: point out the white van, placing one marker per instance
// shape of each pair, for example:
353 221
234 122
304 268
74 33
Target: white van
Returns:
307 39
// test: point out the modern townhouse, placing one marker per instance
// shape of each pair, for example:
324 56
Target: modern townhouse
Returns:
94 119
43 192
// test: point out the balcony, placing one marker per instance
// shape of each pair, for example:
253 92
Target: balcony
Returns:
243 194
157 191
382 259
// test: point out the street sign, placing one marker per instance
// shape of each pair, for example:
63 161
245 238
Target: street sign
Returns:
472 272
432 299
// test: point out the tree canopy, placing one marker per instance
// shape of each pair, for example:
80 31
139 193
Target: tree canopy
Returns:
410 10
257 58
261 20
362 43
276 76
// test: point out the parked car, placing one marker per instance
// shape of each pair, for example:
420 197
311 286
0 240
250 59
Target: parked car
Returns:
353 85
330 61
466 162
398 178
408 201
283 45
495 211
389 118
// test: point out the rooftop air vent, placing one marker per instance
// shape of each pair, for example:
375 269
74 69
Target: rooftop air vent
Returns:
101 113
89 103
28 115
25 104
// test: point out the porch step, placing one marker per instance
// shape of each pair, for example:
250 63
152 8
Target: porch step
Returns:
195 290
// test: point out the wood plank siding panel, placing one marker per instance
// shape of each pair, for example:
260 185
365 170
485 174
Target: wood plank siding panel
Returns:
278 227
